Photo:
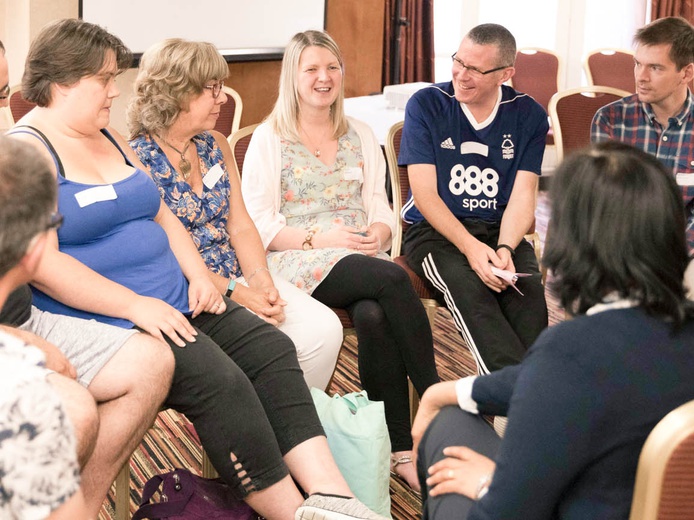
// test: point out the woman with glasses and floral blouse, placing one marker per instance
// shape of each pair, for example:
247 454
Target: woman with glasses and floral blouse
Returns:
178 98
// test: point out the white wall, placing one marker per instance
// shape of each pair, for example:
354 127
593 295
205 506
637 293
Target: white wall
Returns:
570 27
21 20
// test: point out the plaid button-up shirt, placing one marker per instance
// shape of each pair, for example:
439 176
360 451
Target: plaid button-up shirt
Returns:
630 121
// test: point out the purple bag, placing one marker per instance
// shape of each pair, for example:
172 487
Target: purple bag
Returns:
186 496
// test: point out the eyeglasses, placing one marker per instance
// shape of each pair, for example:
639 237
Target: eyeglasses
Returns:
216 88
474 71
5 93
55 221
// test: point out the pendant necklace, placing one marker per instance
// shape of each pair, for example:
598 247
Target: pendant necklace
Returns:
184 164
310 142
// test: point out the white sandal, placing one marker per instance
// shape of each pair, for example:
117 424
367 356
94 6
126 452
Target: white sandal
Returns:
394 463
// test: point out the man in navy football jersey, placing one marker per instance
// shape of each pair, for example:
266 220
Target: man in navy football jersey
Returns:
473 149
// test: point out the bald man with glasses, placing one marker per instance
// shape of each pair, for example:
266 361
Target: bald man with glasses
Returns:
473 149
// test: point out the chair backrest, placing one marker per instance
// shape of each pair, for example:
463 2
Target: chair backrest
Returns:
572 111
229 119
18 105
611 68
239 141
399 182
664 488
538 73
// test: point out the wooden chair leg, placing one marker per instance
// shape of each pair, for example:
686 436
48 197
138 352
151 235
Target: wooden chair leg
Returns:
122 501
431 314
414 400
208 470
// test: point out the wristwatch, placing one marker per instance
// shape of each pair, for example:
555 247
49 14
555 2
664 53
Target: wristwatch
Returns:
230 287
307 245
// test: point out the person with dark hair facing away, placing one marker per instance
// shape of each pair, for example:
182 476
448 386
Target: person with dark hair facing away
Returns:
659 117
585 398
123 258
473 149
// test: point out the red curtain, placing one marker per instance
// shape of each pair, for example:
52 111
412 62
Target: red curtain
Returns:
416 54
663 8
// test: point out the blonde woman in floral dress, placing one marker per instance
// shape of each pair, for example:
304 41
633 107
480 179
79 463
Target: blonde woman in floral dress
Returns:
314 184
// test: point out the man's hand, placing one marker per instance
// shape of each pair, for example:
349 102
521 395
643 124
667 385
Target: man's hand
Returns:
506 259
479 256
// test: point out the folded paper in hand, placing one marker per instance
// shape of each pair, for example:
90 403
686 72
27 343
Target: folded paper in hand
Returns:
510 277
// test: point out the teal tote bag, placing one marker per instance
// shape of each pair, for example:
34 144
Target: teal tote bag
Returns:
358 439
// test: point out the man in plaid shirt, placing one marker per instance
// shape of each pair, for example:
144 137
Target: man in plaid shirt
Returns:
659 118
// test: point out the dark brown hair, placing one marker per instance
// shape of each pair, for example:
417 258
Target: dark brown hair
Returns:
618 225
674 31
65 52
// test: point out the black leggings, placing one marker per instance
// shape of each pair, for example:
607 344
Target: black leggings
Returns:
393 332
241 386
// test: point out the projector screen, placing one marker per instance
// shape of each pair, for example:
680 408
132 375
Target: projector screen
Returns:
240 29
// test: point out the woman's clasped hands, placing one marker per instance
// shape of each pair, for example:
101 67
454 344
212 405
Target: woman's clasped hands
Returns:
363 239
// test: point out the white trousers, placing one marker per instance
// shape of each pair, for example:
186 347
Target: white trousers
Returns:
315 330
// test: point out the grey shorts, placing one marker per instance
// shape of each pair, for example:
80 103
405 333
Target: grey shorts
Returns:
87 344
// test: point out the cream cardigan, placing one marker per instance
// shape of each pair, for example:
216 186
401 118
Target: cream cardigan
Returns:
260 182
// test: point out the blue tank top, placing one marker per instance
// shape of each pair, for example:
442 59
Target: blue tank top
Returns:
119 239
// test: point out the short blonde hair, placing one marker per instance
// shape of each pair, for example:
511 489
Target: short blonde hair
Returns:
285 114
171 73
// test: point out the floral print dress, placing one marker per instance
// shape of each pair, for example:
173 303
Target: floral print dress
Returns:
318 197
204 216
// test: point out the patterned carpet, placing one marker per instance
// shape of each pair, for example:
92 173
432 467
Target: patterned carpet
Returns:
169 443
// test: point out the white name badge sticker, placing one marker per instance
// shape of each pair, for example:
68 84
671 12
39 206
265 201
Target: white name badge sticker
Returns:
685 179
212 176
354 174
474 147
95 194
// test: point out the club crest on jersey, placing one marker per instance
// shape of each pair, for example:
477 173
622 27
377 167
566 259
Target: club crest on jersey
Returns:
507 147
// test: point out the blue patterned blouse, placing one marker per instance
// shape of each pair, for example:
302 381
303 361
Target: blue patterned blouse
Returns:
205 217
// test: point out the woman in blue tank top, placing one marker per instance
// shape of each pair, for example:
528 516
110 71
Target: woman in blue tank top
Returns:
123 258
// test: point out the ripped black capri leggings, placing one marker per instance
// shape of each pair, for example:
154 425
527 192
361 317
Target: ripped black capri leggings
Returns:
241 386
